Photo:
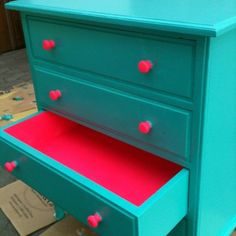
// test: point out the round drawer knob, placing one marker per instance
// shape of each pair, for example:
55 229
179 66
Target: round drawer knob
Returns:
145 66
10 166
145 127
94 220
48 44
55 94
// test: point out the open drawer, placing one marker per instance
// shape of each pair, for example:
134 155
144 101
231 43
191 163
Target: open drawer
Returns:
111 186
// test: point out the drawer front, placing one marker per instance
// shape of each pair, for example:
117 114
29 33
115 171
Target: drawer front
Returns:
65 185
116 55
67 193
117 112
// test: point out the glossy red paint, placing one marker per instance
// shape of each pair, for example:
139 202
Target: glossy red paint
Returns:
48 44
145 127
55 94
94 220
10 166
145 66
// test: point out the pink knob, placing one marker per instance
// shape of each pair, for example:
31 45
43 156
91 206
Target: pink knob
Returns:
55 94
10 166
145 127
48 44
145 66
94 220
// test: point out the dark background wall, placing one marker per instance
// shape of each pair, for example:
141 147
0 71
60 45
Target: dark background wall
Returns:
11 35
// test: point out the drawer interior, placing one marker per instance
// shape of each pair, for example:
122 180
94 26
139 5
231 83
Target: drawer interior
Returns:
133 174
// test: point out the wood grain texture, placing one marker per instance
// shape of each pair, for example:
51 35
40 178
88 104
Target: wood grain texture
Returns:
10 29
5 42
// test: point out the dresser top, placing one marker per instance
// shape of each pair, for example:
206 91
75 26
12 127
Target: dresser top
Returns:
198 17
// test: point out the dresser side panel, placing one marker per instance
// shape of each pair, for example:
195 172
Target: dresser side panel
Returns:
217 202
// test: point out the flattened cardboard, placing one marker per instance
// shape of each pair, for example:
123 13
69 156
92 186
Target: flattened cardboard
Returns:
69 226
27 210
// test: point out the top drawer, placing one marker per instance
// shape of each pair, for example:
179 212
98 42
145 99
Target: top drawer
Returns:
117 54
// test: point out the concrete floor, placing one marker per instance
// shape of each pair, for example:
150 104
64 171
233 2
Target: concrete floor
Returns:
14 70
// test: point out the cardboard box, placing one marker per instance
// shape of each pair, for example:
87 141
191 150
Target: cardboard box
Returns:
27 210
68 227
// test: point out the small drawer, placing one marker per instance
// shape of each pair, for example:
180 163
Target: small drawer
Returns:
80 170
149 124
156 63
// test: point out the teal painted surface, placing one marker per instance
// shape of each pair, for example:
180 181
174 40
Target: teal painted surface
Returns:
98 105
189 225
211 161
66 192
123 84
218 168
169 210
116 54
195 17
83 197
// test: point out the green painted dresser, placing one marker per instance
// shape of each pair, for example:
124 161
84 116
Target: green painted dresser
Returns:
136 129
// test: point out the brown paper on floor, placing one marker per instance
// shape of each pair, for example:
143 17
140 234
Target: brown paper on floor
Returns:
68 227
27 210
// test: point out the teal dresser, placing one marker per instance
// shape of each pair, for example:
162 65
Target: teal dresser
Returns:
136 129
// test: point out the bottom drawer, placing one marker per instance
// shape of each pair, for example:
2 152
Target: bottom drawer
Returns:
88 173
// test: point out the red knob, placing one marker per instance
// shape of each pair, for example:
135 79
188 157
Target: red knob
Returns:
10 166
55 94
94 220
48 44
145 66
145 127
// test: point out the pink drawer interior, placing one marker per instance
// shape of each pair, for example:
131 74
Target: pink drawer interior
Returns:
125 170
